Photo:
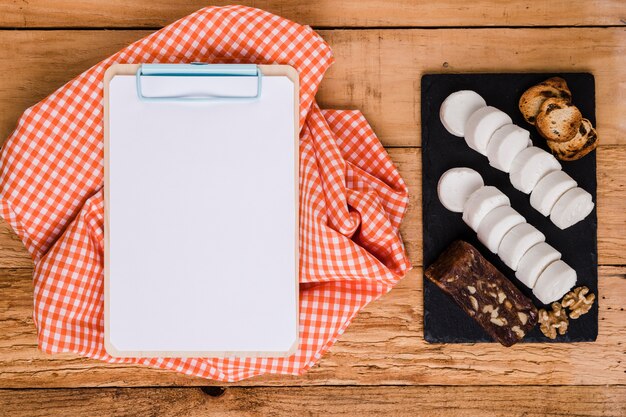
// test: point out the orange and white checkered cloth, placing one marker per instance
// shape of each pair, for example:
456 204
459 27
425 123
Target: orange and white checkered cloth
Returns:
352 198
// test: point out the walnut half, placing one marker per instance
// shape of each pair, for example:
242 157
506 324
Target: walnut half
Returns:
578 302
551 321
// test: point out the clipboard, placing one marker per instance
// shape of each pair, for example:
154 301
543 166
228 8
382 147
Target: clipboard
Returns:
201 210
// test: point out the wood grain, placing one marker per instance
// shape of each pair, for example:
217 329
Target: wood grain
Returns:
383 346
345 13
379 71
611 200
376 71
12 251
326 401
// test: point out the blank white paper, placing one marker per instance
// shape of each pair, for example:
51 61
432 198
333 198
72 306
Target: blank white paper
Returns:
202 212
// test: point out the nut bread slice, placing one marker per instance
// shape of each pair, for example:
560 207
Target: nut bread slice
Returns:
530 102
585 141
558 120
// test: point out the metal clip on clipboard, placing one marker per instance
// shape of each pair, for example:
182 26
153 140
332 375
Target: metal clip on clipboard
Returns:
199 69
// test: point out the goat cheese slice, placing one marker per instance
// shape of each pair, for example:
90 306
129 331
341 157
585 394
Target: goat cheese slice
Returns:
456 185
505 144
517 242
534 262
481 125
457 108
554 282
496 224
571 207
549 189
531 165
481 202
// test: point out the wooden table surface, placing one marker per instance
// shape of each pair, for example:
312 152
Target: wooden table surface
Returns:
381 365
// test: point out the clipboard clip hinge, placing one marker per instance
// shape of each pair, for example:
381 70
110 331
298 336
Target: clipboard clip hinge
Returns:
199 69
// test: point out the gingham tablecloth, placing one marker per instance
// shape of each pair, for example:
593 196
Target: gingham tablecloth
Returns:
352 198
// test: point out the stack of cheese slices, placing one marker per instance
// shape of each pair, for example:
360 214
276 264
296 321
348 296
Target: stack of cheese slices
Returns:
505 232
509 148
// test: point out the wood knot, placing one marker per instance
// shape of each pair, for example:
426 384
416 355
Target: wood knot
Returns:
214 392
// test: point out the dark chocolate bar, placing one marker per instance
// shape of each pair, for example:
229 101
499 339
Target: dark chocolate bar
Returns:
483 292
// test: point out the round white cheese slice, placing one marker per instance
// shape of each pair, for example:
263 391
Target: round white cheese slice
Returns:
481 202
457 108
481 125
529 166
456 185
549 189
534 261
505 144
517 242
571 207
554 282
496 224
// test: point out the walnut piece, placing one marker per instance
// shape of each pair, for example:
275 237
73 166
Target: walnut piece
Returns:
551 321
578 302
523 317
519 332
498 321
474 302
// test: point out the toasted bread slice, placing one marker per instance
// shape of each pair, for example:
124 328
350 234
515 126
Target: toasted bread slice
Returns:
558 120
559 83
585 141
575 144
530 102
590 145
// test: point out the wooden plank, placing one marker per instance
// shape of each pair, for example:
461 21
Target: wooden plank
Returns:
326 401
376 71
611 205
383 346
611 200
379 71
13 254
359 13
53 59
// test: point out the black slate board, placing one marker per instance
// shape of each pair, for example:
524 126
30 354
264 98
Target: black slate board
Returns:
444 322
